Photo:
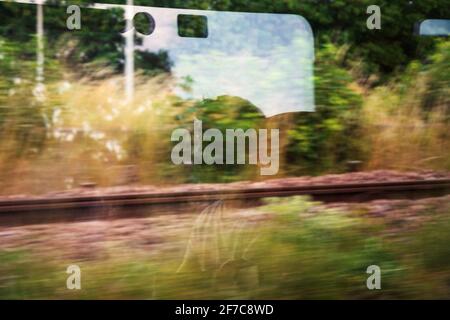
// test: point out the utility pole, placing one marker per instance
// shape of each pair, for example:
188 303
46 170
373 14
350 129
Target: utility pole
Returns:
129 51
39 90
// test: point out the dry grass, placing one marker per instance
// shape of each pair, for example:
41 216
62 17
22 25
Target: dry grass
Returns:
399 134
91 131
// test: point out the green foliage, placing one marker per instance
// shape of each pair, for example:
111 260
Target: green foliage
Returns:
99 41
438 84
423 85
222 113
383 51
320 248
23 278
314 143
325 139
433 244
296 249
23 116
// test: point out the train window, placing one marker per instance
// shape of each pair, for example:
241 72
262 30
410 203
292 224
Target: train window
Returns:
192 26
231 65
434 27
225 149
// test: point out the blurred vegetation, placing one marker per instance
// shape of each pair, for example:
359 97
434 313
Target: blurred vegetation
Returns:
382 97
327 138
292 249
406 122
222 113
371 89
383 52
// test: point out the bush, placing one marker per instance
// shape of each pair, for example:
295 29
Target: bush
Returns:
326 139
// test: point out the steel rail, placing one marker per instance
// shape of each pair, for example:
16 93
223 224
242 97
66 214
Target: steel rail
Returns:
334 192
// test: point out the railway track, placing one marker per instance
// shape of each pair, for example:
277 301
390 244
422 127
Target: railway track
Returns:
75 208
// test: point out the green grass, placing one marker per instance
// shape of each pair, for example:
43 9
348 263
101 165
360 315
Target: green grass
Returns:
294 249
